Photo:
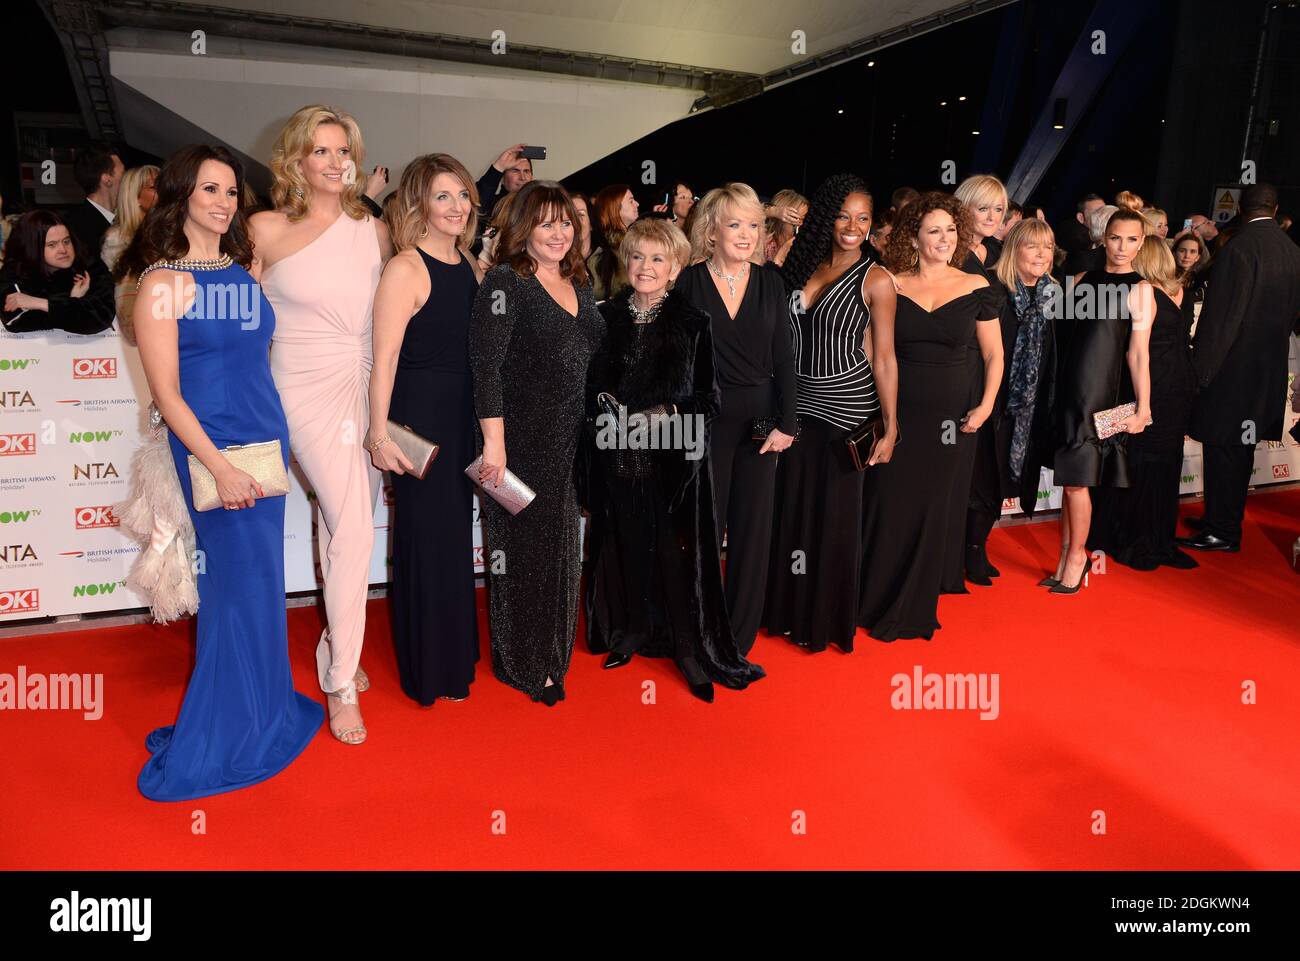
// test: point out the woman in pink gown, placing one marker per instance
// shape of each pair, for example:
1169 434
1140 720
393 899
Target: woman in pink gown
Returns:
320 256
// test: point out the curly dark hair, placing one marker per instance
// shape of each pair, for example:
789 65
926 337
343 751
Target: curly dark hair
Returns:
532 203
812 245
161 235
901 256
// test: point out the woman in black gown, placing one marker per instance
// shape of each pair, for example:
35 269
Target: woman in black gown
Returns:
1109 338
907 502
845 304
657 581
1135 525
979 467
755 360
535 327
421 380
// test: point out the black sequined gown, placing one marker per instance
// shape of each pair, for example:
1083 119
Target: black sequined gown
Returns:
529 358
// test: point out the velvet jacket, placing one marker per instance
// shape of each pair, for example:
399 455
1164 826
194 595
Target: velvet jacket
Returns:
677 369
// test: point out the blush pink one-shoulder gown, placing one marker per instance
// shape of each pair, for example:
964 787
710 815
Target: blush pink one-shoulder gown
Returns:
321 357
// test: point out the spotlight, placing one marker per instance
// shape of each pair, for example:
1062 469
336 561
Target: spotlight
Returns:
961 98
871 63
975 132
1058 113
943 103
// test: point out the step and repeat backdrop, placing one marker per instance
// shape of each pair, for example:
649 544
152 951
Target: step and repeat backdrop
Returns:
73 410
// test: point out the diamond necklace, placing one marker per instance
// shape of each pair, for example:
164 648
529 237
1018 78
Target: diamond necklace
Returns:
730 279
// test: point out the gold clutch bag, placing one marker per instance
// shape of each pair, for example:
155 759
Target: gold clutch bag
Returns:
418 450
1106 422
263 462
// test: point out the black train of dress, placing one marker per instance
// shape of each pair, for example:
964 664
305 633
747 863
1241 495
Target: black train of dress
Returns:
529 357
1093 377
431 605
908 502
1136 525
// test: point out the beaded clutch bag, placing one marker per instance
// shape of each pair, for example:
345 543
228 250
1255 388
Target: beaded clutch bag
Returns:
263 462
1107 421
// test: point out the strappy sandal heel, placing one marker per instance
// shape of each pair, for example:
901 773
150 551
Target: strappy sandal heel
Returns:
346 695
361 679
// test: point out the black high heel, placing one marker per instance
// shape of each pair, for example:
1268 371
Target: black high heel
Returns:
975 568
696 679
989 569
1063 588
1048 581
617 659
550 695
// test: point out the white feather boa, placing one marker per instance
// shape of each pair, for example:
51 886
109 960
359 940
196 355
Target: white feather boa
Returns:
155 513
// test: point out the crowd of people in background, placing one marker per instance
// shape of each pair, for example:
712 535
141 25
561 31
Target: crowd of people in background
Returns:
852 392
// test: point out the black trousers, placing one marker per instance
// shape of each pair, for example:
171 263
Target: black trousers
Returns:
744 490
1227 469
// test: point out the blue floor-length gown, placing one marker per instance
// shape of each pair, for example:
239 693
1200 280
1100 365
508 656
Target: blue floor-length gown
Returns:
241 720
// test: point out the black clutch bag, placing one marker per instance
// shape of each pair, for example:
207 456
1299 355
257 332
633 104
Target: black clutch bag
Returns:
760 427
862 438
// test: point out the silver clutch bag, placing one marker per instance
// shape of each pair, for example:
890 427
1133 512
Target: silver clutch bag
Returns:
513 494
418 450
263 462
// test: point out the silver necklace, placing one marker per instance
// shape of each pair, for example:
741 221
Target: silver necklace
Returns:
644 316
730 279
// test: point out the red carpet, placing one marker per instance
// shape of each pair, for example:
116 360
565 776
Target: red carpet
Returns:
1126 698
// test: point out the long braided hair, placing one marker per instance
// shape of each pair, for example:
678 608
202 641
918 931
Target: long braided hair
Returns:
812 245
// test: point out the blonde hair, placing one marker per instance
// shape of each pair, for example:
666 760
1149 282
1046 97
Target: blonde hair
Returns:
656 230
1155 263
294 144
713 207
1154 215
410 224
128 214
981 189
1025 231
1127 198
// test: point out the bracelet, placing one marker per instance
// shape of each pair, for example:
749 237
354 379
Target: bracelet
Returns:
375 445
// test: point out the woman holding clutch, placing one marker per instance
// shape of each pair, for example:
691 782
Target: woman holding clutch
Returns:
1100 353
320 254
421 381
534 329
203 327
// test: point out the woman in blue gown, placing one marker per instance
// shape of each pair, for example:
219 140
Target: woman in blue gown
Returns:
204 328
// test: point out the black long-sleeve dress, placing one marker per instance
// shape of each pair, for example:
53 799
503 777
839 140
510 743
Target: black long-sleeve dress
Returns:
908 503
656 577
529 357
754 353
1136 525
90 313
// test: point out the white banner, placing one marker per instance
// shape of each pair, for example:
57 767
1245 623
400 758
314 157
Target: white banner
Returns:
71 415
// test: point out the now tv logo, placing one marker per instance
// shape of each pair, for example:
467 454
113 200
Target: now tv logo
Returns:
93 368
86 518
15 444
24 601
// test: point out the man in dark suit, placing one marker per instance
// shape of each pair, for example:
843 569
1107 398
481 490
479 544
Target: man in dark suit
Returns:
1072 233
1240 358
98 171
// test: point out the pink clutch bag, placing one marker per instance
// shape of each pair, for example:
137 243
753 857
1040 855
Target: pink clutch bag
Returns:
1107 421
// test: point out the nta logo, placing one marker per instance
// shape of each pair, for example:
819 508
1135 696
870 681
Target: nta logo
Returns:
13 553
16 399
94 471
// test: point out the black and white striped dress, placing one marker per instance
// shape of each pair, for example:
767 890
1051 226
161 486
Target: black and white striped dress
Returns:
812 586
832 373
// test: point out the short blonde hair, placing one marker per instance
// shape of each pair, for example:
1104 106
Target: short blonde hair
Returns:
294 144
659 231
713 207
128 213
409 224
1154 215
981 189
1025 231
